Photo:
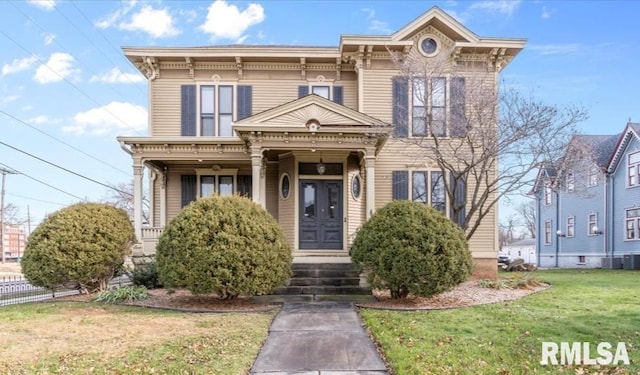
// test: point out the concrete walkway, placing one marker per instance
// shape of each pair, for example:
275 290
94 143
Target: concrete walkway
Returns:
315 338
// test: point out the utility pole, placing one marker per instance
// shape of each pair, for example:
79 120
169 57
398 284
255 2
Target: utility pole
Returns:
4 173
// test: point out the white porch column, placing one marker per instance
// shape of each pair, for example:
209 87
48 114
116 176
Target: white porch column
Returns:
370 161
137 199
163 198
256 171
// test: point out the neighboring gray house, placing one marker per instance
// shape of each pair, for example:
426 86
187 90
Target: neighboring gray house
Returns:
588 204
523 249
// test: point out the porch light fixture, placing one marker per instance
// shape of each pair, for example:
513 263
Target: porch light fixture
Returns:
560 234
321 168
597 230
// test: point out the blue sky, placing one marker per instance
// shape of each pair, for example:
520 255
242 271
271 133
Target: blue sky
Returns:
66 91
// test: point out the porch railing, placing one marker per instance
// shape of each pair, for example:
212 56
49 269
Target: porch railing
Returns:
152 232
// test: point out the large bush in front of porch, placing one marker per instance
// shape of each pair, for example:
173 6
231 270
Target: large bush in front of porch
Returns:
408 247
83 245
224 245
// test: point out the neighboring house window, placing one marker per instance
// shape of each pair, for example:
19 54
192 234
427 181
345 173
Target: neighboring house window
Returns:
571 226
419 185
547 232
547 194
571 183
593 176
209 111
429 107
582 259
633 178
593 224
632 224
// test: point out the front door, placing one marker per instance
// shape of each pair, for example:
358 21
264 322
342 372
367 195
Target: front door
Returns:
320 214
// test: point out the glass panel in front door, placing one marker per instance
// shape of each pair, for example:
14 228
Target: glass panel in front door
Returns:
310 201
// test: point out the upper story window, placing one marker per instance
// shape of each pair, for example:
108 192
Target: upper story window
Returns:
325 89
321 91
208 110
632 224
571 182
633 168
431 107
593 176
216 111
547 194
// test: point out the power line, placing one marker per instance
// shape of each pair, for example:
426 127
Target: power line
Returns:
61 141
70 83
36 199
46 184
119 52
65 169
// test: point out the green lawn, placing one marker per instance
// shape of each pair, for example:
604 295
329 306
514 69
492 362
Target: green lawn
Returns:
583 305
92 338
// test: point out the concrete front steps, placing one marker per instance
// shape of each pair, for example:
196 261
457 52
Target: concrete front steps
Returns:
321 282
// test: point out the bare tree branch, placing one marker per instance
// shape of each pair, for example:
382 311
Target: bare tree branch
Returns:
493 155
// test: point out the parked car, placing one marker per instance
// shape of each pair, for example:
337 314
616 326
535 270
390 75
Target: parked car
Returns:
503 258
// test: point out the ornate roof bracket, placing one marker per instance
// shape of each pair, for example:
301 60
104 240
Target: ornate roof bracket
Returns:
190 66
303 67
455 56
368 56
239 66
338 68
149 66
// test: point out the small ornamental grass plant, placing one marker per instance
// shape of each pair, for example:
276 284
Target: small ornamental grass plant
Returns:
408 247
83 244
224 245
123 294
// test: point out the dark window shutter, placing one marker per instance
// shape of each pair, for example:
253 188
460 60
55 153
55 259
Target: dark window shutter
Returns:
188 110
400 93
458 118
459 185
245 95
400 180
303 91
245 185
338 94
189 189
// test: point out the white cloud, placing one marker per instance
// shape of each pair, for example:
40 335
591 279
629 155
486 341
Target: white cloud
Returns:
226 21
8 99
47 5
116 76
18 65
112 18
108 119
546 13
48 39
370 12
506 7
42 119
59 67
156 22
375 25
556 49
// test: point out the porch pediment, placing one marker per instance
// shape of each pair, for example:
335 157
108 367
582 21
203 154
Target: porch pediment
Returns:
301 114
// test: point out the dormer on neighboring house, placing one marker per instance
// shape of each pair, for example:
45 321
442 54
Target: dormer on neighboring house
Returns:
313 134
587 212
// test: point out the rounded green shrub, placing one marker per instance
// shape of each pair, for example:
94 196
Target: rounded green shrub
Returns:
84 244
408 247
223 245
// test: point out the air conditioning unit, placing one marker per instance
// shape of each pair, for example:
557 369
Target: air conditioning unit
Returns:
612 263
631 261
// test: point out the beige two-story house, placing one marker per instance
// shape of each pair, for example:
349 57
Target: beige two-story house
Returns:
321 137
